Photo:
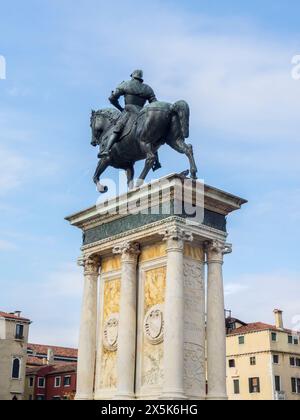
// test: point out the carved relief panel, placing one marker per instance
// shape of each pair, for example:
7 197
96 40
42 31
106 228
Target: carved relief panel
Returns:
194 322
110 323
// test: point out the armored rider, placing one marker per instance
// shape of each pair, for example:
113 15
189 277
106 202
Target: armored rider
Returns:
136 93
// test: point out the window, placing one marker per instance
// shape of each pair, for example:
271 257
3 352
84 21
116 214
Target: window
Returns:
252 361
298 362
293 340
19 332
15 374
254 385
57 382
276 359
274 337
40 397
41 382
31 381
30 397
241 339
277 384
236 386
56 398
295 385
67 381
232 363
292 361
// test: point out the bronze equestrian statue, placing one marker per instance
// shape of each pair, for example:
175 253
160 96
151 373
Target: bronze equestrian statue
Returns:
135 133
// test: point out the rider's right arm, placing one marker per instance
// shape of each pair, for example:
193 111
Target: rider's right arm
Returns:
115 96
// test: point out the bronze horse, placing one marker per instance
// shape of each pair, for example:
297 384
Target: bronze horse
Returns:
157 124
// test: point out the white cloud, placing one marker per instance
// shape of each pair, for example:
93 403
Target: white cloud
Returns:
6 245
66 282
12 169
238 82
257 295
234 288
52 301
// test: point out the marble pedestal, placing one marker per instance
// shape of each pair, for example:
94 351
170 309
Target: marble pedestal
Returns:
144 332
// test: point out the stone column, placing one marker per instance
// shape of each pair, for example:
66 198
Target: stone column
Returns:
174 315
216 333
127 320
88 328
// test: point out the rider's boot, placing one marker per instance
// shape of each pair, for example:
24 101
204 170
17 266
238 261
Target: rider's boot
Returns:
111 141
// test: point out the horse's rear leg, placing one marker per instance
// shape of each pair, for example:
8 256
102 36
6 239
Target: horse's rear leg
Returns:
150 161
130 177
187 149
101 167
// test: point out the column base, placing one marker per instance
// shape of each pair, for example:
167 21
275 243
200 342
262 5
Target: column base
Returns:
82 397
124 397
217 398
173 395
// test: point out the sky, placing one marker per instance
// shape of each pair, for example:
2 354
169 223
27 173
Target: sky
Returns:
231 61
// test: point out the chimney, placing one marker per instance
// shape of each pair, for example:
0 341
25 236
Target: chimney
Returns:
50 357
18 313
278 319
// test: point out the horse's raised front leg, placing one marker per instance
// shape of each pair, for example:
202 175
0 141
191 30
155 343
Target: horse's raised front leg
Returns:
103 164
187 149
150 161
130 177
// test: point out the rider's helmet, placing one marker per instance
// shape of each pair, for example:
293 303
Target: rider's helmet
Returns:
138 74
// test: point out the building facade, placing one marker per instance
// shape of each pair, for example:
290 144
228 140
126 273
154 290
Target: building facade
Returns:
51 372
51 382
13 355
263 361
40 355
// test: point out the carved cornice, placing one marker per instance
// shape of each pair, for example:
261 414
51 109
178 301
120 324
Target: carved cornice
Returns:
91 264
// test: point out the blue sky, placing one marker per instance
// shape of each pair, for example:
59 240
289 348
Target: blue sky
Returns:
230 60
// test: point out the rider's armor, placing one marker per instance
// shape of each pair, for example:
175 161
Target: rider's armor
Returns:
136 93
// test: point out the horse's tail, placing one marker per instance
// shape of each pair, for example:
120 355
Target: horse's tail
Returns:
183 111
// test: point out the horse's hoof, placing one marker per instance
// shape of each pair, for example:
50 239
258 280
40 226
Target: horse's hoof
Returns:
102 189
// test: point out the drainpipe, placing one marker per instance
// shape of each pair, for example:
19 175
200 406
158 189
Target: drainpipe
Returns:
272 377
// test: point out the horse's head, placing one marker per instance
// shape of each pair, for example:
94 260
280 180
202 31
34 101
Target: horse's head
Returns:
101 122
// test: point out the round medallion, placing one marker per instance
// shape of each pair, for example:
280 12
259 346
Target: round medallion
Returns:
154 325
110 333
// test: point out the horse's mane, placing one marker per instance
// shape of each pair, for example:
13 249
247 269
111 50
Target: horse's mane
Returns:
109 113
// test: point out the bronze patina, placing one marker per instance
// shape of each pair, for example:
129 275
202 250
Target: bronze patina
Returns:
136 132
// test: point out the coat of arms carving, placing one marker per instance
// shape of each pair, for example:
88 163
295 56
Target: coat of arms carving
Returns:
154 325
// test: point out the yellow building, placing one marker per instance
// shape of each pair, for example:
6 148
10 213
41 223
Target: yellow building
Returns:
13 355
263 361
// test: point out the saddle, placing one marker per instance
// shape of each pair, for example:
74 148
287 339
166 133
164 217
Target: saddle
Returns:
126 121
131 119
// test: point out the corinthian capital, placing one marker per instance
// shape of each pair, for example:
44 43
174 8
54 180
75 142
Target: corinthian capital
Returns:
90 263
177 234
216 249
127 249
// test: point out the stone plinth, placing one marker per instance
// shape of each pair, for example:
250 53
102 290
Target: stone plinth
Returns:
143 328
